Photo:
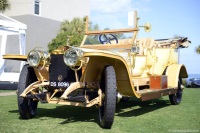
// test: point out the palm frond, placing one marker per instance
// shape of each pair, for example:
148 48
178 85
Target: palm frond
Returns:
4 4
197 49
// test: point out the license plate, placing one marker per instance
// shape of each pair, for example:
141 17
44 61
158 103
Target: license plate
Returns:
59 84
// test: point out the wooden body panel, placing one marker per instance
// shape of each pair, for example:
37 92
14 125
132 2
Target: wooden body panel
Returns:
158 82
108 46
111 31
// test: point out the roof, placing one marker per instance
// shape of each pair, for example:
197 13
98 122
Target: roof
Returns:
9 26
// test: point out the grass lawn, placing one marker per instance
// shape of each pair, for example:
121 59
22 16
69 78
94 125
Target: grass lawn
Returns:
156 116
2 91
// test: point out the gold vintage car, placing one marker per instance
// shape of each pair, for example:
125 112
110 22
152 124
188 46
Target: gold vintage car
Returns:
102 74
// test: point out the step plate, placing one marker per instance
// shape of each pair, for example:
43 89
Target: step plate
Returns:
152 94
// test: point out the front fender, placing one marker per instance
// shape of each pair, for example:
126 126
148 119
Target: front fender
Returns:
96 63
173 72
15 57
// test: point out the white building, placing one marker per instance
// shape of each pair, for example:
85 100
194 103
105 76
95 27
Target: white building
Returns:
43 19
52 9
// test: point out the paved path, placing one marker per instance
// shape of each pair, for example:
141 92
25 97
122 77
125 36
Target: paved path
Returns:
8 93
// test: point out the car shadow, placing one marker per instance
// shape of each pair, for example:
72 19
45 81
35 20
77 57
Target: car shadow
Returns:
135 107
71 114
67 114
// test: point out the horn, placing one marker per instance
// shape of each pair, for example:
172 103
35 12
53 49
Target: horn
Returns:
147 27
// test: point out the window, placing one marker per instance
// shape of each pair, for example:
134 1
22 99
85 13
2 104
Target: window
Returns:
37 7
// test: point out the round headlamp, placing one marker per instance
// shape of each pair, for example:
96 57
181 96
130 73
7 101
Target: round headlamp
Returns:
72 57
37 57
34 58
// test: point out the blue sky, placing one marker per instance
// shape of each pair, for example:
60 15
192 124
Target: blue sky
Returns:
167 17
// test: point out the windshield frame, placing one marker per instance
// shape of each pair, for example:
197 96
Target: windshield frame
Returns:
134 30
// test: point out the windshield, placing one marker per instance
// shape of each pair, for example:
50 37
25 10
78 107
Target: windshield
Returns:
107 36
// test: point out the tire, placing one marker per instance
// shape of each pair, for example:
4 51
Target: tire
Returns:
108 86
176 98
27 107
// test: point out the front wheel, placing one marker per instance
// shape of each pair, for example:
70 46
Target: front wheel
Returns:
108 86
27 107
176 98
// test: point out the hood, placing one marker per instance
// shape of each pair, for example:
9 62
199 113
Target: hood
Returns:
87 50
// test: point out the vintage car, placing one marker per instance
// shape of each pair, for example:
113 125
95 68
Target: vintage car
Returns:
102 74
193 83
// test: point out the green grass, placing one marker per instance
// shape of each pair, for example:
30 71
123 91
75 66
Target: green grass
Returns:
2 91
156 116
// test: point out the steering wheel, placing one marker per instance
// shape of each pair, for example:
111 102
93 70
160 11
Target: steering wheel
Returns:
105 39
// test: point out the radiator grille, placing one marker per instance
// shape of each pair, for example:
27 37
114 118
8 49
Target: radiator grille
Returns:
60 74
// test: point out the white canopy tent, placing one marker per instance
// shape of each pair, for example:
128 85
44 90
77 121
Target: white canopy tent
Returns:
9 26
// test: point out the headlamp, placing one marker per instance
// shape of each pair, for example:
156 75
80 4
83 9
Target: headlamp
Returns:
72 57
37 58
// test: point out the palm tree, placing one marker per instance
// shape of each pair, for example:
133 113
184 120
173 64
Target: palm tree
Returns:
74 29
4 4
72 26
69 29
72 33
197 49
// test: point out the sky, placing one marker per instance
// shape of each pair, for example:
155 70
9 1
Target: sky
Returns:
167 17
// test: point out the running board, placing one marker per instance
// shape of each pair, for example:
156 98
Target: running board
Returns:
149 94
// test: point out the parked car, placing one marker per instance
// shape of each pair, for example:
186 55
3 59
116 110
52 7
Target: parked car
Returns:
193 83
101 74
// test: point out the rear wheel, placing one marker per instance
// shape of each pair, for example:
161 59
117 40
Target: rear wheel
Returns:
176 98
27 107
108 86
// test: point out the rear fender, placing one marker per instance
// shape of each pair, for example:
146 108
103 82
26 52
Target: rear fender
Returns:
173 72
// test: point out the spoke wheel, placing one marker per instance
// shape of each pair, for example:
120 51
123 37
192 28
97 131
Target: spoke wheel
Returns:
27 107
176 98
108 86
